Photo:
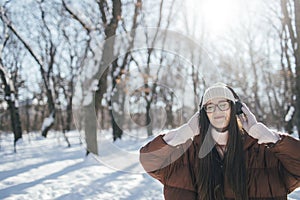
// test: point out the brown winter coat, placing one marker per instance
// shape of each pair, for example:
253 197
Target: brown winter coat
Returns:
272 172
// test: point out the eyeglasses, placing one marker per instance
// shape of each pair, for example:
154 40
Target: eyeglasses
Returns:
223 106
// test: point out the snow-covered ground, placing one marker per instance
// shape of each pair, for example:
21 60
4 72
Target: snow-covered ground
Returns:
48 169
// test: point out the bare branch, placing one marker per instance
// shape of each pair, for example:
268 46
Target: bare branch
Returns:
5 19
84 25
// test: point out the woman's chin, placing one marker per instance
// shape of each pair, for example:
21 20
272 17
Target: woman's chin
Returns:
219 125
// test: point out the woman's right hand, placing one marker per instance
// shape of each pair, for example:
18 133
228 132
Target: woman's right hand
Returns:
181 134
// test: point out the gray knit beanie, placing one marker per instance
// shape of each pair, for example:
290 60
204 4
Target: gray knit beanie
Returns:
218 90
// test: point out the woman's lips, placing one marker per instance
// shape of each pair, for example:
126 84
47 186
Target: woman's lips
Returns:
219 117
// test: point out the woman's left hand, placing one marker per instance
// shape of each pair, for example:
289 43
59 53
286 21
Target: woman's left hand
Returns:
248 119
256 129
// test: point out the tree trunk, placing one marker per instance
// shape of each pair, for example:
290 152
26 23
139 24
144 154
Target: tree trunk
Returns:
51 108
90 127
69 114
292 31
297 59
117 131
16 123
27 126
148 119
64 129
108 49
110 31
12 106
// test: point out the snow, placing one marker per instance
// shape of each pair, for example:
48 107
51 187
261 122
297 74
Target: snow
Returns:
4 105
88 94
47 122
290 113
12 97
47 169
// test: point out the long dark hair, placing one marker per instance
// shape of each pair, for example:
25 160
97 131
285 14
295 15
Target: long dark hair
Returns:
210 177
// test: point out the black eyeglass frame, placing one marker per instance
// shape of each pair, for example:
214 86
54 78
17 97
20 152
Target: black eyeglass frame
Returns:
217 105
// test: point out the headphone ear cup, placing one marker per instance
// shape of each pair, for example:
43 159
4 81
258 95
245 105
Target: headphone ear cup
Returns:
238 107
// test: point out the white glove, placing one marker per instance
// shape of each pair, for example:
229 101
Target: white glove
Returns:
181 134
256 129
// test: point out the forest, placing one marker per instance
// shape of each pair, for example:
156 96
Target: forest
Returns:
127 65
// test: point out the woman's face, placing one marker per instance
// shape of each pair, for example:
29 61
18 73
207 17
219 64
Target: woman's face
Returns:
218 112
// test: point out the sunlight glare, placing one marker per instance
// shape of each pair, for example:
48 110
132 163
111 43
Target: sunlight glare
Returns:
219 15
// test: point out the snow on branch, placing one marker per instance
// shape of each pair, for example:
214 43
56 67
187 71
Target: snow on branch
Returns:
48 121
290 114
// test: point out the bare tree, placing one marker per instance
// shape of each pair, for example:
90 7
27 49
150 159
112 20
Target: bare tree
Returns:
110 26
297 58
12 104
10 91
45 74
291 26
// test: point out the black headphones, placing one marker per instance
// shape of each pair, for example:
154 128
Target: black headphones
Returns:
238 103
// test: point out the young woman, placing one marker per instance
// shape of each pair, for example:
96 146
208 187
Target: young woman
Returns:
219 154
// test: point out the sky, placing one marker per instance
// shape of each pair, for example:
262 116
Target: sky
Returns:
47 169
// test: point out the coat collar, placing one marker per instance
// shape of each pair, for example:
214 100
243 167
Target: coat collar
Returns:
248 141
